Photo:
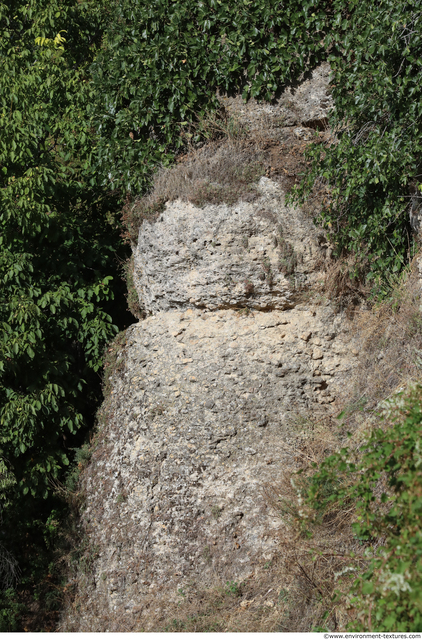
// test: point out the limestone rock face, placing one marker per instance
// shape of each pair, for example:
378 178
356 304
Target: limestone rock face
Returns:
206 396
200 419
303 107
203 404
219 257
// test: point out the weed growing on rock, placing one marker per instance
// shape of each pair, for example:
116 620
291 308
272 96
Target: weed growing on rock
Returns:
249 287
214 127
288 260
132 296
134 213
113 360
206 554
233 588
345 281
216 512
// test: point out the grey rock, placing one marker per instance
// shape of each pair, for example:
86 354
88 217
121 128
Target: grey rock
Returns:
303 107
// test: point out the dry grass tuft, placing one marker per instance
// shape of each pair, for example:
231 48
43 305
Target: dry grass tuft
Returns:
250 606
315 548
345 282
215 126
391 347
220 173
132 296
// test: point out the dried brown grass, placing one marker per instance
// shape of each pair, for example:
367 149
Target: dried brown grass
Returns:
345 281
251 606
390 335
315 548
219 173
223 171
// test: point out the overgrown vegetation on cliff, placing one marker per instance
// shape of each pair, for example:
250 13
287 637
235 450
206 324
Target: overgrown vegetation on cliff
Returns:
160 66
58 270
372 167
94 97
381 481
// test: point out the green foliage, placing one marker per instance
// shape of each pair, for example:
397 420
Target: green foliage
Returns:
384 483
161 64
58 240
372 163
58 269
10 611
233 588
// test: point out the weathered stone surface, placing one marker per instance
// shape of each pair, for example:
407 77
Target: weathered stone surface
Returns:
248 255
204 402
302 107
199 420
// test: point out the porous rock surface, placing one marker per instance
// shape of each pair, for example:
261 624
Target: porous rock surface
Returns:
204 400
300 109
200 414
251 255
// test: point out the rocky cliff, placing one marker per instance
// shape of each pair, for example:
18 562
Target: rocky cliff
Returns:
237 348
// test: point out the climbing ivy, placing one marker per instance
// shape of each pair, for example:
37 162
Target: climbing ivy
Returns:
371 164
161 65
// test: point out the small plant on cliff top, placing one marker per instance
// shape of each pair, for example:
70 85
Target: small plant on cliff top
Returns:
233 588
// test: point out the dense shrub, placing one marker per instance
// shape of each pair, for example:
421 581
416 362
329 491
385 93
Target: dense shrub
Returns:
161 64
372 164
383 482
58 272
58 241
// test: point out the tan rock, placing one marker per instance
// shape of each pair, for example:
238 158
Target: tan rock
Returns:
306 336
